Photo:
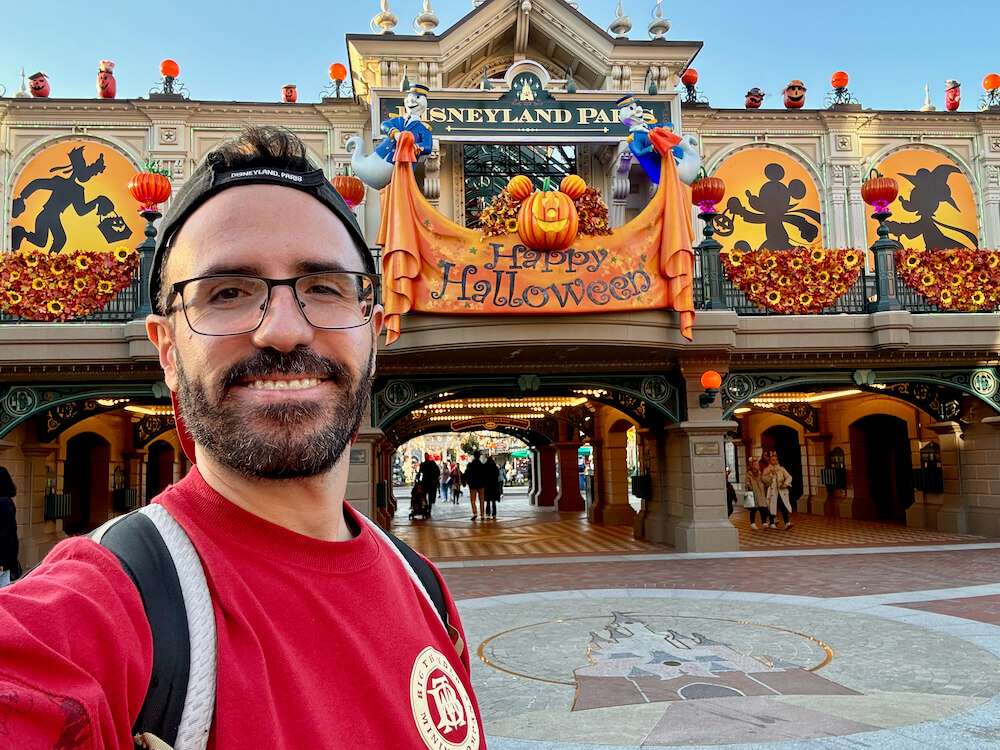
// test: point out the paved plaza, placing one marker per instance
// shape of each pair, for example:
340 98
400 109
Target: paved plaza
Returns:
807 638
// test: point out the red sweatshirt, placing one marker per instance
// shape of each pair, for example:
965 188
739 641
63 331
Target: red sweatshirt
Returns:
320 644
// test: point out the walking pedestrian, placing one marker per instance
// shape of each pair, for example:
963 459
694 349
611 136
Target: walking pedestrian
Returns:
10 568
491 489
755 494
474 478
776 481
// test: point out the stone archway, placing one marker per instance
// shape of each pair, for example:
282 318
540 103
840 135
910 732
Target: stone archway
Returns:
87 479
159 468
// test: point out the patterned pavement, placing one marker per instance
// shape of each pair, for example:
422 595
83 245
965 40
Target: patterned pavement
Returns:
832 634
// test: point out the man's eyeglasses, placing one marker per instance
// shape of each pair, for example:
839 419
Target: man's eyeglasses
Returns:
224 305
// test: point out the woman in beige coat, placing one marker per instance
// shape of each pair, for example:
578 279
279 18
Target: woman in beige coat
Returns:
755 484
777 480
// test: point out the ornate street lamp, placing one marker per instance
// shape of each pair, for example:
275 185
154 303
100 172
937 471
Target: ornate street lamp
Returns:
840 94
991 85
169 87
878 192
336 89
705 193
151 188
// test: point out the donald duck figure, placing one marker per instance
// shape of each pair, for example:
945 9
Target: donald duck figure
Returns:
415 105
638 122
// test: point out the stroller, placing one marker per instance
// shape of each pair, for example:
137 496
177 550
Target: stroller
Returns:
419 507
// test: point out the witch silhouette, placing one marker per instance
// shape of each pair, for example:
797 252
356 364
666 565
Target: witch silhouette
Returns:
773 207
67 190
930 191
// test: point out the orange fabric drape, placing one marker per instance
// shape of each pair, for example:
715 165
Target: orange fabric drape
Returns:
432 264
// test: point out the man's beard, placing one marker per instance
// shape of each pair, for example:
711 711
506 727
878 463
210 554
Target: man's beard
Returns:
282 450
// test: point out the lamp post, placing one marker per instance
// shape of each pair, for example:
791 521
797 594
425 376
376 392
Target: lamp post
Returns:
991 97
705 193
150 188
879 192
338 74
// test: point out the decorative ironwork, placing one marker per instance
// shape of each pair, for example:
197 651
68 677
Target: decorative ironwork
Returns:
804 414
151 427
337 90
489 167
169 86
58 419
840 95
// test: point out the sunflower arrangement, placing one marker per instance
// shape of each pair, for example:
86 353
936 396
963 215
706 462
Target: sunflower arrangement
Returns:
39 286
800 281
500 217
958 279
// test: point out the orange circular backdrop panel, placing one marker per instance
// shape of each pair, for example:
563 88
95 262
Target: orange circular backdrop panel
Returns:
771 202
74 196
935 208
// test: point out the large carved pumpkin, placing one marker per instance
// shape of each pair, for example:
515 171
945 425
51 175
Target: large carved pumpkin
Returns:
548 221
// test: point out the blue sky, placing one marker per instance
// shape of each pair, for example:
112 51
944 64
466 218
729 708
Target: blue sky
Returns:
246 51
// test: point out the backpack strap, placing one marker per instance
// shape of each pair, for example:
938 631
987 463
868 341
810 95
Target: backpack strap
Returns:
421 572
159 557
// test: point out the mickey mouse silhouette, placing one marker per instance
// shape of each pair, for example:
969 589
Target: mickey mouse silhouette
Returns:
773 207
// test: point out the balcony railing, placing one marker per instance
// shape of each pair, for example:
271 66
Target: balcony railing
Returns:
860 298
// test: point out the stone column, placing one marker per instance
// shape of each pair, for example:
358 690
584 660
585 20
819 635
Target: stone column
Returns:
362 474
612 508
621 186
981 476
954 512
568 497
817 449
548 487
41 535
533 483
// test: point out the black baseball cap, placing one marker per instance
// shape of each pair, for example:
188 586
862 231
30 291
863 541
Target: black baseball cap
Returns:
210 179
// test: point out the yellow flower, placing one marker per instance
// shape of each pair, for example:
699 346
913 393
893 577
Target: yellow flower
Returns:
38 284
123 253
969 266
824 276
928 279
31 259
14 297
784 281
55 307
993 260
750 272
957 280
755 288
912 260
511 225
104 286
15 275
851 259
62 284
56 269
736 258
807 279
773 296
770 262
839 288
805 299
818 255
796 263
946 297
79 285
978 298
83 262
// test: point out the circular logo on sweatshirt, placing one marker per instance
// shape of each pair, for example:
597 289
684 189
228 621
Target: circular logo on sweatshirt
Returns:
442 708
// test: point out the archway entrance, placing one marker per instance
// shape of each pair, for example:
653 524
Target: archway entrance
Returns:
159 468
785 440
87 478
883 473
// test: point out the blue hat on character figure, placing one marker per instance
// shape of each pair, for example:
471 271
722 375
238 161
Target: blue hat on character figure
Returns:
636 119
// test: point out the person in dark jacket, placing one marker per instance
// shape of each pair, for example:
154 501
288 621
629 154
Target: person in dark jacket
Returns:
10 568
428 477
491 490
474 477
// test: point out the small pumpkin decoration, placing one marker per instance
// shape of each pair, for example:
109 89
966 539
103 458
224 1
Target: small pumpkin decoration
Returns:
351 188
707 191
573 185
548 220
879 191
151 187
519 187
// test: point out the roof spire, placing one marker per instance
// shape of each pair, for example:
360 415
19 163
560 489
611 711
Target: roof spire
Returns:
659 25
425 22
928 107
621 26
385 21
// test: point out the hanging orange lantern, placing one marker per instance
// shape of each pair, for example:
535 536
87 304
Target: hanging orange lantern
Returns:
548 220
338 72
150 189
351 188
839 80
879 191
169 68
689 77
573 185
519 187
706 192
991 82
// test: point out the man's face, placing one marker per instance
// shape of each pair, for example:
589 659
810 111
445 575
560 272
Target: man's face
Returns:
282 401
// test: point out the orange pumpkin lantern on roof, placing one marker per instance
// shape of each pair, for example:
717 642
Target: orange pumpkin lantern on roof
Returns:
548 220
839 80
